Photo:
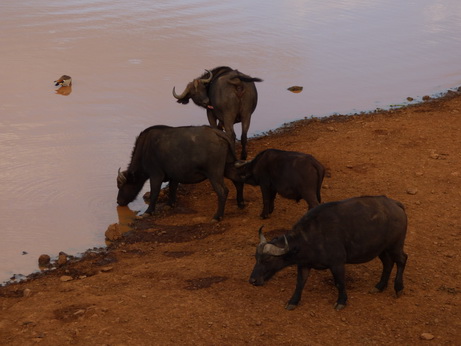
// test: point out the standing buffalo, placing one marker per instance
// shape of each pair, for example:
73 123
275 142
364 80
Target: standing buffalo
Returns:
228 96
291 174
354 230
184 155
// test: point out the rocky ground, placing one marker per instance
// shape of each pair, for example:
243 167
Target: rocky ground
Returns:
179 279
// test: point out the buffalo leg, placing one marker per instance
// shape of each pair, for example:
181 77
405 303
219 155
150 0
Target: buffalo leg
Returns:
212 119
172 188
268 200
239 190
155 185
311 200
388 263
339 275
303 274
243 139
222 191
398 283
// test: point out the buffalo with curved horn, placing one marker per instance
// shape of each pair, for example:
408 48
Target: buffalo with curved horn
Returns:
228 96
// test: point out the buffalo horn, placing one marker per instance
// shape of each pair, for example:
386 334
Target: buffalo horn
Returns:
179 97
121 179
262 238
209 78
240 163
273 250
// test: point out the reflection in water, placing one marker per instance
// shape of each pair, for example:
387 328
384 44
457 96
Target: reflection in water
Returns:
125 218
64 90
59 154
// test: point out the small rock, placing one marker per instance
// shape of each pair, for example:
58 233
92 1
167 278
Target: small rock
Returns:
412 191
106 269
426 98
44 260
426 336
26 293
410 99
331 128
434 156
113 232
65 278
419 174
62 258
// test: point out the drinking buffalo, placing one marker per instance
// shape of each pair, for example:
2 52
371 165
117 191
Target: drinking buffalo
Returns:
185 155
354 230
291 174
228 96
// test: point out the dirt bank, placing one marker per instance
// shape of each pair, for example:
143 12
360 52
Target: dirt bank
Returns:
179 279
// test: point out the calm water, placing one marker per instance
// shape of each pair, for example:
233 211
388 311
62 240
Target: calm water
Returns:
59 154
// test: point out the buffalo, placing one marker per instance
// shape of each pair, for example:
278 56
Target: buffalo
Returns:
291 174
354 230
228 96
184 155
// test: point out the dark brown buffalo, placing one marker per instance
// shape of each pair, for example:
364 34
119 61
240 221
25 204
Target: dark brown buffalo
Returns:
291 174
185 155
228 96
354 230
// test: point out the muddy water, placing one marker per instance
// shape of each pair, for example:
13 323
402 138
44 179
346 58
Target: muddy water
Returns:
59 152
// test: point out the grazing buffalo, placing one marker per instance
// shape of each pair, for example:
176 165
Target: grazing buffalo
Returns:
184 155
291 174
354 230
228 96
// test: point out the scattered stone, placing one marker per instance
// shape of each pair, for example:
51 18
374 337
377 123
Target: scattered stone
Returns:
26 293
426 98
419 174
426 336
410 98
65 278
62 258
412 191
434 156
44 260
113 232
106 269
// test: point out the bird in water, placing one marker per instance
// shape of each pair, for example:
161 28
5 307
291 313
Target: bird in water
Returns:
64 80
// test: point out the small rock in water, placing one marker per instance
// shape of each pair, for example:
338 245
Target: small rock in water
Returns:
43 260
62 258
295 89
113 232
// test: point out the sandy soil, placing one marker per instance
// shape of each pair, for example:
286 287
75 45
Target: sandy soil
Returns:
179 279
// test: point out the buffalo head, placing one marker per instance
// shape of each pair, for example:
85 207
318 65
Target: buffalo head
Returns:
269 259
197 90
128 187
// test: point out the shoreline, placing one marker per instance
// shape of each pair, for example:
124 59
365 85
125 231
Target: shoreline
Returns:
279 131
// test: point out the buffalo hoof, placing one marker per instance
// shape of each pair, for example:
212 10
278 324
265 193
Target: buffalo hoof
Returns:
290 306
143 216
339 306
398 294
